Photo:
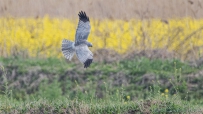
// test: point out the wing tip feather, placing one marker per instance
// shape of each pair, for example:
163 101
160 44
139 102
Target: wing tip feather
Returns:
87 63
83 17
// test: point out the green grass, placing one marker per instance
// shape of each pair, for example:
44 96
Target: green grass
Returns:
130 86
155 105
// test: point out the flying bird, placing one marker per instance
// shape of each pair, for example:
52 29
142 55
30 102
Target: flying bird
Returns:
80 46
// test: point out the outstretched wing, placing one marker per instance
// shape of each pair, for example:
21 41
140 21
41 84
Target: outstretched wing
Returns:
83 28
84 55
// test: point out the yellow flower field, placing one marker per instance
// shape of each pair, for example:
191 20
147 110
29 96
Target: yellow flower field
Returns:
42 36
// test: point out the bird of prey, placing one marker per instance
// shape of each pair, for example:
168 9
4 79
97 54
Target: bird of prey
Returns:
80 46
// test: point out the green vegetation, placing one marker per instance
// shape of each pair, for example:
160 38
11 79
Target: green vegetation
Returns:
138 85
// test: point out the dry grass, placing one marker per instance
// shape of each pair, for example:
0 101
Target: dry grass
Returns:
114 9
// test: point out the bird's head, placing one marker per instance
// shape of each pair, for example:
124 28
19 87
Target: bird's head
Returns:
89 44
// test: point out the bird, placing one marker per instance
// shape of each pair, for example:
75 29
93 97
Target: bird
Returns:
80 46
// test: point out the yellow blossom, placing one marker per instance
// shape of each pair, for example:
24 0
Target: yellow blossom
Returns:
166 91
128 97
42 37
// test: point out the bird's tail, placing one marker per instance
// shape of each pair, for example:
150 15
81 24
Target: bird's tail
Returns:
68 49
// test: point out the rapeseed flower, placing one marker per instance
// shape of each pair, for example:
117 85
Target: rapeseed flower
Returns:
42 37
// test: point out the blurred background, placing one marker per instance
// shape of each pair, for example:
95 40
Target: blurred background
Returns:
119 9
36 28
142 49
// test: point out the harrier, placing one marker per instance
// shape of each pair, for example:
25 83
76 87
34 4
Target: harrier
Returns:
80 46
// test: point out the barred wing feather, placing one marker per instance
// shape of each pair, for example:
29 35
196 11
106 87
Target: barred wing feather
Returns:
83 28
84 55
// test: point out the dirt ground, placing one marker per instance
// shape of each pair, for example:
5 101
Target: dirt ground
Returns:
113 9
